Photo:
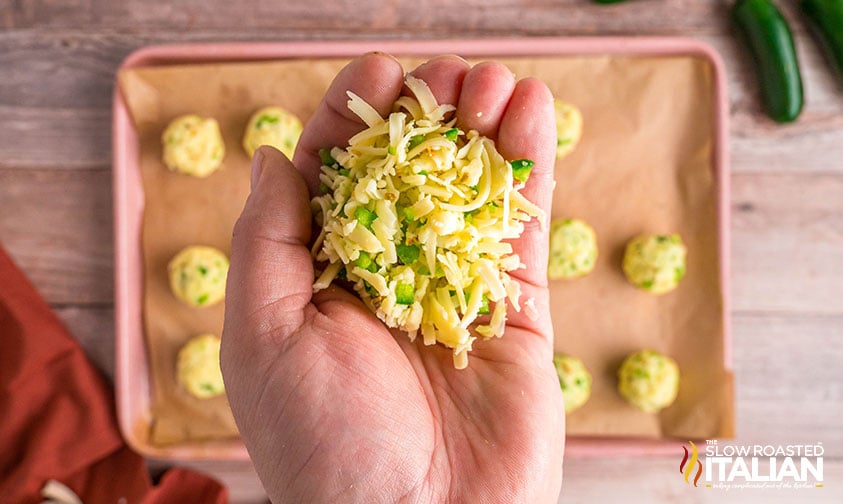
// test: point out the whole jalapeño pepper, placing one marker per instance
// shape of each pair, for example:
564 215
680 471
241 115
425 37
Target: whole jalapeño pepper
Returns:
826 16
770 40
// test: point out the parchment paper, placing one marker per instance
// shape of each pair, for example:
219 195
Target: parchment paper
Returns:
643 165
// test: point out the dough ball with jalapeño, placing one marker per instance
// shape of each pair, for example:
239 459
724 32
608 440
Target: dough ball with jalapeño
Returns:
414 213
574 379
193 145
198 274
655 263
272 126
198 367
649 380
573 249
568 128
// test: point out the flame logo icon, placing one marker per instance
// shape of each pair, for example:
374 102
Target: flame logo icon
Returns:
686 467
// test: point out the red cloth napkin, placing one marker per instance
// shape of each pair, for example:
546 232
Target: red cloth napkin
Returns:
57 416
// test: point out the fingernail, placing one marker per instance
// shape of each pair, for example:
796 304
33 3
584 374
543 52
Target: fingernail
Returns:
257 168
450 57
381 53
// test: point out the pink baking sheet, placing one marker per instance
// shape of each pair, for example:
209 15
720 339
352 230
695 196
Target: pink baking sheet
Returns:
132 372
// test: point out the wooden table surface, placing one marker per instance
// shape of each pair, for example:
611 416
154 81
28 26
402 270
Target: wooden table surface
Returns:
57 69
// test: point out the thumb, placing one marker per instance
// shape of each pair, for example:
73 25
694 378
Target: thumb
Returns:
271 274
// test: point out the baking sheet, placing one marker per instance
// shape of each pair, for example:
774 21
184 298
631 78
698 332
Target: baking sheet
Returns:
644 165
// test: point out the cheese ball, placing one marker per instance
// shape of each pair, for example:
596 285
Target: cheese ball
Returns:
574 379
655 263
272 126
568 128
193 146
198 367
648 380
197 275
573 249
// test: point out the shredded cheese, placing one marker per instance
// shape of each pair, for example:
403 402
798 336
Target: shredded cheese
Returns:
414 214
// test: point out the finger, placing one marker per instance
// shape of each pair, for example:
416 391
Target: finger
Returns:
271 274
375 77
444 76
533 316
528 130
486 91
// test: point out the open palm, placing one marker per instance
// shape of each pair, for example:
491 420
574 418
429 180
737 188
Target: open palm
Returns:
332 405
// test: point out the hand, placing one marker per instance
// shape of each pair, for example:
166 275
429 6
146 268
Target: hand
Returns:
332 406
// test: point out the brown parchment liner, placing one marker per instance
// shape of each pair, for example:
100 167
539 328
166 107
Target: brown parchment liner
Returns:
644 165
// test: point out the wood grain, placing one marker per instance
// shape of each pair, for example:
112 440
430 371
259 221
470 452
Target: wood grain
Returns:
57 225
788 379
787 248
648 480
51 80
93 328
393 16
240 478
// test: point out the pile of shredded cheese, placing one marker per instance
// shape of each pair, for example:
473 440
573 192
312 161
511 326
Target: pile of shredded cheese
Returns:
414 214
